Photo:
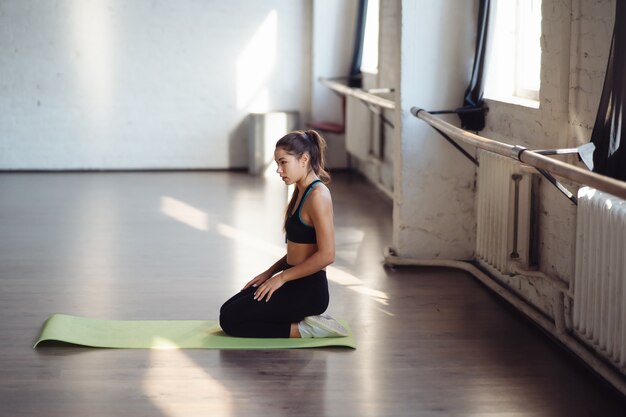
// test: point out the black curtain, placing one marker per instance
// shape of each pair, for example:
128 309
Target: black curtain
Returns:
609 157
354 78
472 114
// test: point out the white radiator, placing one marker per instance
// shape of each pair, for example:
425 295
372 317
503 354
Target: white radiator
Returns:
599 311
264 131
503 232
358 128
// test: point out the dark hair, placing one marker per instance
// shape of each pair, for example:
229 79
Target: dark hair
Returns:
299 142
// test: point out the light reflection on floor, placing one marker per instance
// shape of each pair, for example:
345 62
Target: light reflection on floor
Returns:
198 219
174 382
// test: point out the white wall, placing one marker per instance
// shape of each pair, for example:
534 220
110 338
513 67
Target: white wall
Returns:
378 166
110 84
333 27
434 183
333 37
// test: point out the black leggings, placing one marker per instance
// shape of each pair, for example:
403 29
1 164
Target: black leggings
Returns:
243 316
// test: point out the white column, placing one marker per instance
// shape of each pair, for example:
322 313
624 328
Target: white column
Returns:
434 184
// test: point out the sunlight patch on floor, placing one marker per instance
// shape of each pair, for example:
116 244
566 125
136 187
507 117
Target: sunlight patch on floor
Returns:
174 384
199 220
185 213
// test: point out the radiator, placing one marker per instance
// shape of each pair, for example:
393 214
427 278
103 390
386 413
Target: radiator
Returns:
358 128
599 310
503 227
264 130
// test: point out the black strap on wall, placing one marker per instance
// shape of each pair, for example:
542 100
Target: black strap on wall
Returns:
473 100
472 114
458 147
609 157
567 193
354 78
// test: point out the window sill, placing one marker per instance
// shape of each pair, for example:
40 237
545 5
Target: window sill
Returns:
369 71
517 101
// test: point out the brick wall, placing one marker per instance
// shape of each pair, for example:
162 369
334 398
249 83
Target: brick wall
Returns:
575 43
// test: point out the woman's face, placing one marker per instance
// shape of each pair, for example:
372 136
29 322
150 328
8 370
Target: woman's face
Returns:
289 167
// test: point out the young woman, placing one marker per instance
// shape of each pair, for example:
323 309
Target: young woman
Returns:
288 299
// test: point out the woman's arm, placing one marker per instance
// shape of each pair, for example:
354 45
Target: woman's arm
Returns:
321 213
278 266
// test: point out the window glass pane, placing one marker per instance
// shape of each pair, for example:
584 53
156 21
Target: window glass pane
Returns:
369 61
529 49
514 61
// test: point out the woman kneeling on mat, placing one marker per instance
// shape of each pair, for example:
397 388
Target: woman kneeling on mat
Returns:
289 299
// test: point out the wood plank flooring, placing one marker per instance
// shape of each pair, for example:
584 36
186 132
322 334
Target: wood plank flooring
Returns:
431 342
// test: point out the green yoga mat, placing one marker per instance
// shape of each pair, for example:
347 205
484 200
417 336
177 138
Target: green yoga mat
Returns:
166 334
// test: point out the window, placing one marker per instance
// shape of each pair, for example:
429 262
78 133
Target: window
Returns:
514 60
369 61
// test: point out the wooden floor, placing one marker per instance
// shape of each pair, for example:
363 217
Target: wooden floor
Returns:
431 342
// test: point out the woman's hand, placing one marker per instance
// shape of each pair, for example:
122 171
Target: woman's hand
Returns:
269 287
258 280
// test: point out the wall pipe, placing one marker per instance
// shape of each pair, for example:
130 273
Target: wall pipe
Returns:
358 93
527 156
537 160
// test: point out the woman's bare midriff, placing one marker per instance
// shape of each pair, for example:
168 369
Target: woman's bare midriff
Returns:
299 252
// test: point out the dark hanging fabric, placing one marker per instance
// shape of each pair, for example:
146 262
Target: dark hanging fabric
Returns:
472 114
354 78
609 157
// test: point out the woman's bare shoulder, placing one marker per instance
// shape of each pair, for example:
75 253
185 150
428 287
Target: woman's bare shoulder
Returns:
320 194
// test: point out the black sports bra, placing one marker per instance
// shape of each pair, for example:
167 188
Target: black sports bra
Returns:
297 230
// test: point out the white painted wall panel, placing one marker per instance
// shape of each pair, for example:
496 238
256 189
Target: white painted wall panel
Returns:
332 42
109 84
434 183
